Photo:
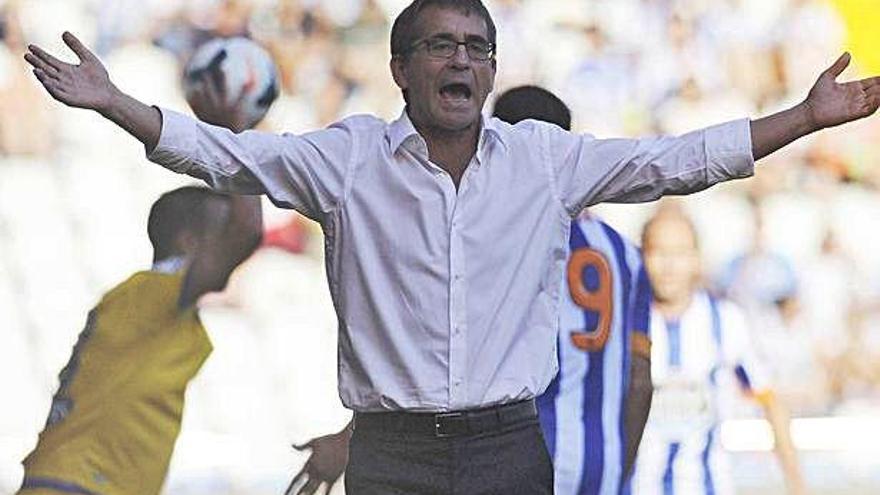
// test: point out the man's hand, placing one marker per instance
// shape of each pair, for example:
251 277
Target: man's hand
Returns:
325 465
87 85
830 103
84 85
211 103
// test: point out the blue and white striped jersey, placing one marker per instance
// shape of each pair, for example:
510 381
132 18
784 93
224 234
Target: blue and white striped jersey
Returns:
582 410
698 363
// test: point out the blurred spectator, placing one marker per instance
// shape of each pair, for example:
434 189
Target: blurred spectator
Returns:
24 112
702 355
760 277
828 296
787 348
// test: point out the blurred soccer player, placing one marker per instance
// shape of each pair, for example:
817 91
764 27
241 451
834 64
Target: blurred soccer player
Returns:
700 352
594 411
117 412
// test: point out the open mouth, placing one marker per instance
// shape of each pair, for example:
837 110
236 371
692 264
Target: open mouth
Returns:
455 91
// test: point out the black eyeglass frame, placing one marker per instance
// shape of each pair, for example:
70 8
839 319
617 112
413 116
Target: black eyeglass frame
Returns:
427 43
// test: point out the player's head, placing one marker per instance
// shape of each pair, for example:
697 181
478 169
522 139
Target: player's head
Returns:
178 218
672 257
444 84
532 102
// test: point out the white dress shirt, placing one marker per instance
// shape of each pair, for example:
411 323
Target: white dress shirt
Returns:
447 299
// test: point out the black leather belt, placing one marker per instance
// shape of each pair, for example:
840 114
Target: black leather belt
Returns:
448 424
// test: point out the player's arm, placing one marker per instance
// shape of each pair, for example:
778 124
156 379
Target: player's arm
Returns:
641 388
748 371
638 401
828 104
325 464
233 233
87 85
785 450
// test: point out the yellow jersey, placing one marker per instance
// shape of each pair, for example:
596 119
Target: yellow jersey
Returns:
117 412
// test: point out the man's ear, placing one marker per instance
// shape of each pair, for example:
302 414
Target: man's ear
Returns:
399 72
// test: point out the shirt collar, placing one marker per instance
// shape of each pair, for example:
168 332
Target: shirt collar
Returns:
491 128
402 129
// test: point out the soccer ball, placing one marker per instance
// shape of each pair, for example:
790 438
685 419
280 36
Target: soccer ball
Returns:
244 67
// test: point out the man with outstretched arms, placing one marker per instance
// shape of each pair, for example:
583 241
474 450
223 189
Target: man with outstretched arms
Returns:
446 236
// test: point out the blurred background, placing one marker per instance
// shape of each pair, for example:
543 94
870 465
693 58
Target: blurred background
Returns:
795 245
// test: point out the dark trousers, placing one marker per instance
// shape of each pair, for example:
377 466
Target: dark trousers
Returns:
511 461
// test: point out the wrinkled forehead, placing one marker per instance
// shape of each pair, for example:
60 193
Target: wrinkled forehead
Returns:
459 23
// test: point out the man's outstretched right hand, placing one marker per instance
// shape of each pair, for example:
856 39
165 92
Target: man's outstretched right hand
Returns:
87 85
84 85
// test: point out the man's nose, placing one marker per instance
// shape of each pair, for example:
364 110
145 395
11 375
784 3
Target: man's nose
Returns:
461 58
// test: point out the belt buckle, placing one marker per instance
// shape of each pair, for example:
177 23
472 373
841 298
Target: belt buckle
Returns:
439 431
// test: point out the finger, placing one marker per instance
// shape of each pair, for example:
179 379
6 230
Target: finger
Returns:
51 86
213 96
41 65
44 78
869 83
218 81
302 472
44 56
872 105
78 48
839 66
311 487
330 486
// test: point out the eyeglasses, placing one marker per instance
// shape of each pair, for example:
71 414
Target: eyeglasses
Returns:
477 50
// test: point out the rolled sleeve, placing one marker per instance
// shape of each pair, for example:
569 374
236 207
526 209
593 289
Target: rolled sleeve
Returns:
590 170
178 134
729 148
303 172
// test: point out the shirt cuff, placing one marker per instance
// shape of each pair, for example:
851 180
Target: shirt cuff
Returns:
729 151
178 135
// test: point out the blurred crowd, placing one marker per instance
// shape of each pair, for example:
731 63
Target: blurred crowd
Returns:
793 245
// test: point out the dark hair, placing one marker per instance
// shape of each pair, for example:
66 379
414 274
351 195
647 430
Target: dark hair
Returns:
403 33
181 210
532 102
